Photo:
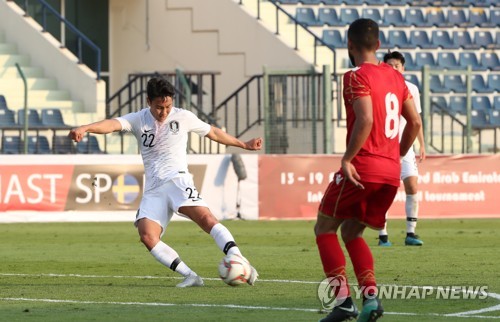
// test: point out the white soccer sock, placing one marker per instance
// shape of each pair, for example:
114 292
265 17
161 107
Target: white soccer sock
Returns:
224 239
383 232
411 207
169 257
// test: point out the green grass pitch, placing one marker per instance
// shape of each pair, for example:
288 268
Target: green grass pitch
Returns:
101 272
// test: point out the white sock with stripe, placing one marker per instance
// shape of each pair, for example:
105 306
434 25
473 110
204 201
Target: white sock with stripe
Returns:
169 257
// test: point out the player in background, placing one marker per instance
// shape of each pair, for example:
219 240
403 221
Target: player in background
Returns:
162 134
375 97
409 168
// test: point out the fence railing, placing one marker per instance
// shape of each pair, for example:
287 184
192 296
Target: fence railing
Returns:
313 39
81 39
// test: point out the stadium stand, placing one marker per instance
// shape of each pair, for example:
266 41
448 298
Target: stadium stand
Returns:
454 83
52 117
479 85
3 103
89 145
62 144
38 145
11 144
481 103
447 60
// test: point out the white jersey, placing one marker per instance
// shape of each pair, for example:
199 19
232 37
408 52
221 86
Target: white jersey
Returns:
416 99
163 146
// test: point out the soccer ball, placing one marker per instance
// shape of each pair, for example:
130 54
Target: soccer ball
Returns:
234 270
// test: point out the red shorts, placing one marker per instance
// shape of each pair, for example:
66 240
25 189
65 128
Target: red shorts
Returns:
343 200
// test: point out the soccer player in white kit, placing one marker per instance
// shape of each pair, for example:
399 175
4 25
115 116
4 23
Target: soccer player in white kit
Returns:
162 133
409 169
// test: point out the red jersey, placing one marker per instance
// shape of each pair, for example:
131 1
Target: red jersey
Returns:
378 159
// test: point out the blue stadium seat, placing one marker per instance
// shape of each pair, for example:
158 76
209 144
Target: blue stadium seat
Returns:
458 105
496 103
288 1
414 17
440 101
354 2
478 119
305 16
435 17
480 3
454 83
495 118
497 43
3 103
494 82
62 144
379 3
327 16
477 17
397 38
441 38
479 85
419 38
494 20
409 62
470 59
425 58
373 14
33 118
38 145
481 103
490 61
384 43
11 144
348 15
456 17
398 2
52 117
7 119
311 2
333 38
462 39
437 86
412 78
393 17
484 39
332 2
448 60
380 55
88 145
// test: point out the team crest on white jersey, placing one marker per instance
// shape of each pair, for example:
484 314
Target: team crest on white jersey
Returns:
174 127
338 178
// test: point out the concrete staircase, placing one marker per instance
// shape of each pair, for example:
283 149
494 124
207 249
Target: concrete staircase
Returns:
43 92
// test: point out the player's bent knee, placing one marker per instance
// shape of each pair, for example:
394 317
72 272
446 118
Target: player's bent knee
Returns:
149 240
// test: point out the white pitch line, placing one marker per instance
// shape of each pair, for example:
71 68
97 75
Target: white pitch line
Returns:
231 306
465 314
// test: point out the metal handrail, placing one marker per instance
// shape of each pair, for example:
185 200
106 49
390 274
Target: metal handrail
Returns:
79 35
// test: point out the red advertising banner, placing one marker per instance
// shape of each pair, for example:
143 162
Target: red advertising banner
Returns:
291 186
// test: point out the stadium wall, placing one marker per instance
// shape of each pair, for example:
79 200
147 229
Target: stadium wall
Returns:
108 187
45 51
193 35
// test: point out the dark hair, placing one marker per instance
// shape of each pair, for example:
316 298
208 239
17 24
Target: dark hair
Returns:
394 55
363 33
159 87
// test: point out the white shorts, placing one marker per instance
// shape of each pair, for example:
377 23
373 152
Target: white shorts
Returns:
160 204
409 165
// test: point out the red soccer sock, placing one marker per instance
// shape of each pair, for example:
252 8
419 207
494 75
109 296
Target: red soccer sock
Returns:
332 257
362 261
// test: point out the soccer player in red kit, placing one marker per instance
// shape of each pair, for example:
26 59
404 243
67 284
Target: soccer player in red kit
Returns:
375 96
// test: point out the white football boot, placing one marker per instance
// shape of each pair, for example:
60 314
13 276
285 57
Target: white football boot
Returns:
191 280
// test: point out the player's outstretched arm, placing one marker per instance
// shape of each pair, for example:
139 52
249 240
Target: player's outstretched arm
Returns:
413 125
222 137
101 127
